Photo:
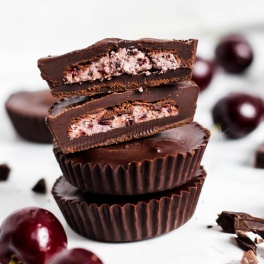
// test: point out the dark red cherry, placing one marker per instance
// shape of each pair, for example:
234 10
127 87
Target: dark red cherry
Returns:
203 72
75 256
31 235
238 114
234 54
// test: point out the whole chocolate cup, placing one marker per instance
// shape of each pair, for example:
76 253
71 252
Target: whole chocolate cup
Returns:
148 165
27 111
122 219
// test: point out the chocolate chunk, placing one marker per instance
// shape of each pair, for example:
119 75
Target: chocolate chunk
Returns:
114 65
258 240
27 111
244 241
152 164
4 172
127 218
40 187
81 123
232 221
249 258
256 225
259 157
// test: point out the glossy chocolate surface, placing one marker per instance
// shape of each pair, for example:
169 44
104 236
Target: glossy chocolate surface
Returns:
31 103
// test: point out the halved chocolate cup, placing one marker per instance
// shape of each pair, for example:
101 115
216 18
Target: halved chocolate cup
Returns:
104 67
127 218
81 123
152 164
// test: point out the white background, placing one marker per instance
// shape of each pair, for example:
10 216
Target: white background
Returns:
33 29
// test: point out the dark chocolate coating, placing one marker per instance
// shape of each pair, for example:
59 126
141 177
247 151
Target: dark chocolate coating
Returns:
259 157
152 164
122 218
184 94
27 111
4 172
52 68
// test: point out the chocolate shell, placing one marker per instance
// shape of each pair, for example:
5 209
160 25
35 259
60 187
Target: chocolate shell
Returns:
122 218
152 164
27 112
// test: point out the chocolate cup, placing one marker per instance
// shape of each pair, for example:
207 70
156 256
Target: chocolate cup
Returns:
127 218
27 112
148 165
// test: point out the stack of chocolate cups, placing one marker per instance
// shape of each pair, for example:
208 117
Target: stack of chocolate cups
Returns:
124 137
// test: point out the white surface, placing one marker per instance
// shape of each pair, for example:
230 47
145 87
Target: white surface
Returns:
32 29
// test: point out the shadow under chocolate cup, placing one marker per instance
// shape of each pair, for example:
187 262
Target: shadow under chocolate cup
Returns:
153 164
27 111
127 218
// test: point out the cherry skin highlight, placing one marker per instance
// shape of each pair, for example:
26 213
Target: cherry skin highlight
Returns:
75 256
234 54
238 114
31 235
203 72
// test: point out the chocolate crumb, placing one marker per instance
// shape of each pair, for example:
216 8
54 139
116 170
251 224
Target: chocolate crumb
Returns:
245 242
258 240
209 226
249 258
4 172
40 187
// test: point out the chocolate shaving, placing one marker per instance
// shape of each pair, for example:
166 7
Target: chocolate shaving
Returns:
4 172
245 242
249 258
40 187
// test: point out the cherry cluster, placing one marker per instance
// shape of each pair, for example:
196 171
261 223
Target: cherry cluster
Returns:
34 235
236 114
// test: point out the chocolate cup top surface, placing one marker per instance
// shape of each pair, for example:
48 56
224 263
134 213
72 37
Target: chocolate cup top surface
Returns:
32 103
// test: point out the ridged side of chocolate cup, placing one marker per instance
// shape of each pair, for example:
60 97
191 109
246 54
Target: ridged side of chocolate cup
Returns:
146 176
154 215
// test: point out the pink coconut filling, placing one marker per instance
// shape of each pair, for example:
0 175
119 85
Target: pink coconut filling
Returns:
128 61
95 123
